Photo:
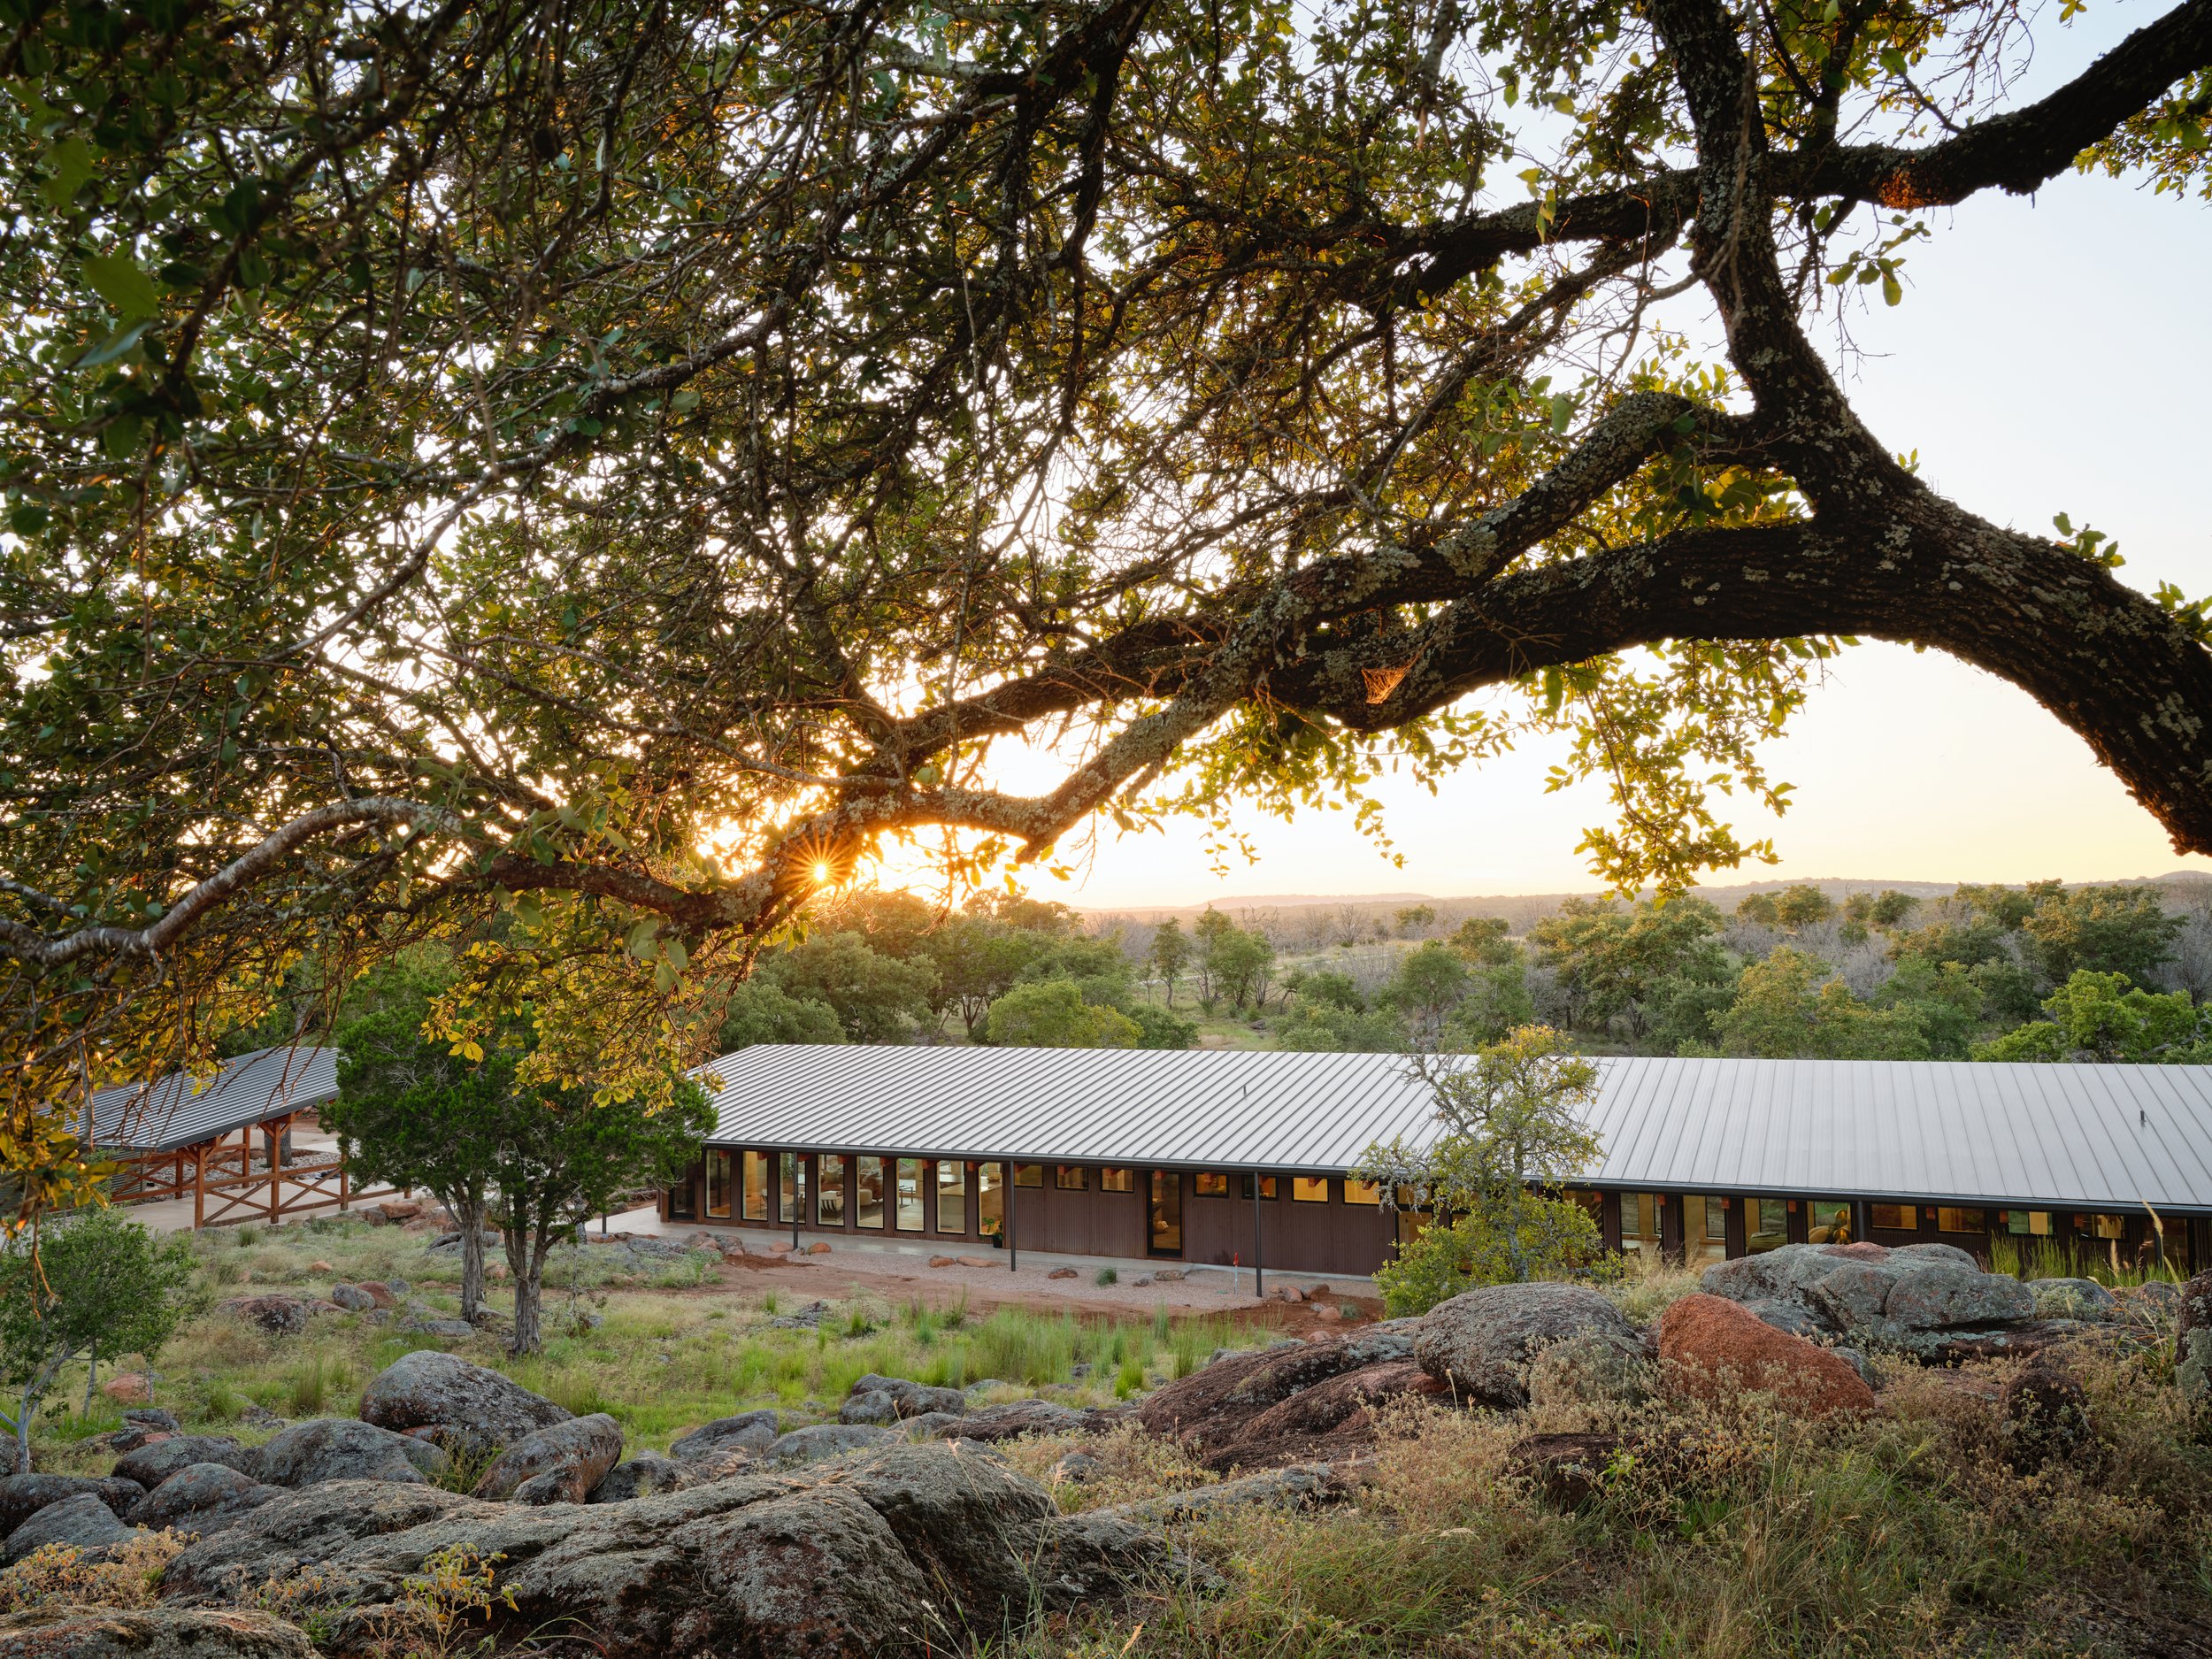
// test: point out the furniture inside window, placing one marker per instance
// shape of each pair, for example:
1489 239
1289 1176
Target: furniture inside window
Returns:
910 1218
1164 1217
829 1190
1310 1189
868 1193
1830 1222
1071 1177
1766 1225
756 1170
1267 1187
1212 1184
990 1202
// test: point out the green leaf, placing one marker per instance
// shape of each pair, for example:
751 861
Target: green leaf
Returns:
1893 292
72 162
116 278
115 345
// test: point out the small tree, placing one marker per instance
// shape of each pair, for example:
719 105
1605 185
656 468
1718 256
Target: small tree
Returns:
413 1112
96 1283
1513 1133
1169 955
1052 1014
560 1159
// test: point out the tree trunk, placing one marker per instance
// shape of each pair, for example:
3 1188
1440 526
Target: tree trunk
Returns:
469 1213
525 1269
91 1375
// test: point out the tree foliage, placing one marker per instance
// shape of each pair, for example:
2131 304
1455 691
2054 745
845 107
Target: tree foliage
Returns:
612 464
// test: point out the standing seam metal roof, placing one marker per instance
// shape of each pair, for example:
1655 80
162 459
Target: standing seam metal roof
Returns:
2064 1136
182 1110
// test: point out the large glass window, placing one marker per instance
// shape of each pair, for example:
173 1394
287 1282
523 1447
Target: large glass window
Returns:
717 1185
1829 1221
868 1193
792 1187
1361 1192
1766 1225
2109 1226
1704 1229
1642 1214
1310 1189
1069 1177
1164 1219
1897 1217
829 1196
1949 1220
952 1196
2028 1224
1029 1175
755 1186
1212 1184
990 1202
1267 1187
1117 1180
910 1207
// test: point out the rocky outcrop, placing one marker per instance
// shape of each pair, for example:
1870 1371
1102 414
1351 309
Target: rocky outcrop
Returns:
2192 1346
157 1632
1332 1420
571 1458
1297 1485
1709 1347
639 1477
464 1403
1214 1407
1587 1370
1482 1342
2072 1299
886 1554
85 1521
751 1433
1017 1417
200 1498
1568 1470
338 1449
818 1440
278 1316
22 1496
1926 1300
886 1400
155 1462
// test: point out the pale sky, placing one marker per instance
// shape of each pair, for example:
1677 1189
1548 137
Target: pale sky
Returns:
2050 357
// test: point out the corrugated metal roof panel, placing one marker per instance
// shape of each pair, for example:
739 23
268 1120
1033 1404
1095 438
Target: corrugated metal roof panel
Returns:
180 1110
2065 1136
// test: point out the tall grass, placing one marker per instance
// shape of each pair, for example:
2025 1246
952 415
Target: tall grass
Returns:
2030 1258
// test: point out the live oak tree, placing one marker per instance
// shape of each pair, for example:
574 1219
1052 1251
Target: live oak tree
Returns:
618 463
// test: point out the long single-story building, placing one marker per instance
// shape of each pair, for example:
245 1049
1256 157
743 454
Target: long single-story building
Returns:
1228 1156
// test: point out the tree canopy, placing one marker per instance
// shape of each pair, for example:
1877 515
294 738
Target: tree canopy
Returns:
616 464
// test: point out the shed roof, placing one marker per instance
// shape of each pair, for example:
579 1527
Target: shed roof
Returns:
2065 1136
182 1110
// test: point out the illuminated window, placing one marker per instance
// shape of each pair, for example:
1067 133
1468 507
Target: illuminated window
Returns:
1117 1180
910 1195
1642 1214
792 1188
755 1186
1766 1224
1071 1177
719 1184
1704 1229
952 1196
829 1191
2025 1224
1830 1221
990 1202
1899 1218
1212 1184
1267 1187
1949 1220
2111 1227
868 1205
1361 1192
1029 1175
1310 1189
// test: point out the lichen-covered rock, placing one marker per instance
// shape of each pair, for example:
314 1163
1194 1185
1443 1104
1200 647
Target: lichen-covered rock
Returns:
1214 1406
639 1477
881 1399
1334 1419
1017 1417
888 1553
22 1496
1709 1346
155 1462
200 1498
465 1403
752 1431
573 1456
1595 1370
1920 1299
1481 1343
339 1448
278 1316
1568 1470
2192 1346
2072 1299
153 1632
818 1440
85 1521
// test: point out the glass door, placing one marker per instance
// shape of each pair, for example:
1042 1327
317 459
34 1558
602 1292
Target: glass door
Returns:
1164 1213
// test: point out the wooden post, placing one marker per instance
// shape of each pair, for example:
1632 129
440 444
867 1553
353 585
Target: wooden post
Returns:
1013 1185
199 1184
342 1197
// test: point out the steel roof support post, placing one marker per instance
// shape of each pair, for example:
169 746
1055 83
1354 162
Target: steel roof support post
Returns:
1013 1186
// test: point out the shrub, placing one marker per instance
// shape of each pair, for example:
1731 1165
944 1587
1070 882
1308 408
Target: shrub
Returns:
1108 1276
57 1575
